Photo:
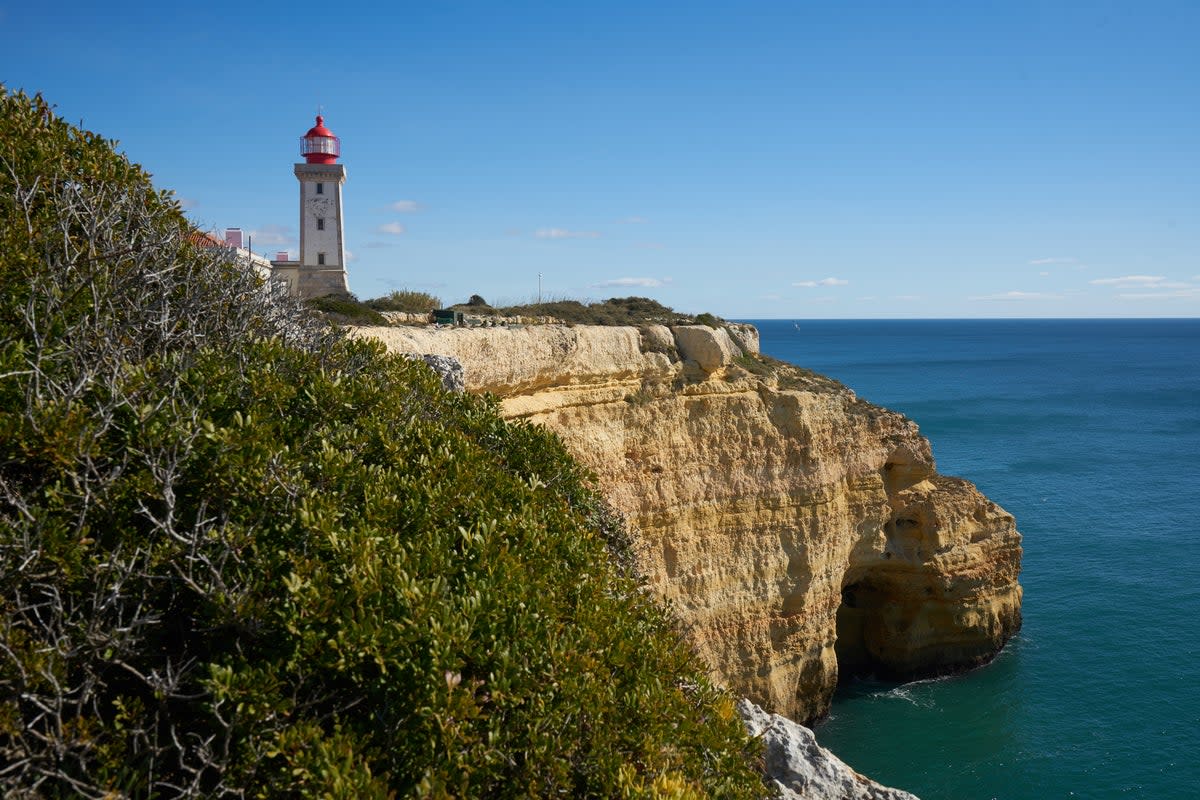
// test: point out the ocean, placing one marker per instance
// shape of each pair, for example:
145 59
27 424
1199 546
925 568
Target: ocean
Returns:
1088 431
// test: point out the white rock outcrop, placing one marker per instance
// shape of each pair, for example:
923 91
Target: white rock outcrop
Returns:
449 369
801 769
745 335
710 348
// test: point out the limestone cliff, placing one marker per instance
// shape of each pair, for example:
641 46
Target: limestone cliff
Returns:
797 529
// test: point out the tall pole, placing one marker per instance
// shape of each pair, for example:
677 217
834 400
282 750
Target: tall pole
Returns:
539 288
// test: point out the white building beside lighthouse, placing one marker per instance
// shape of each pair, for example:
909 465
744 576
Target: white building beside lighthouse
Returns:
321 268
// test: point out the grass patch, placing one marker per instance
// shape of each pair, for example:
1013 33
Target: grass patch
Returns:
789 376
406 300
754 365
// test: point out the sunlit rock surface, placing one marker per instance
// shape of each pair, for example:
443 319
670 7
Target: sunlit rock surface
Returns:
801 769
797 530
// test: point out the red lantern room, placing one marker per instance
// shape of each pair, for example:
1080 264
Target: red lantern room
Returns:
319 145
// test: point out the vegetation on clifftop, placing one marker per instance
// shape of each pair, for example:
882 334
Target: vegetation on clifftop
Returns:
242 555
614 311
407 300
635 311
346 309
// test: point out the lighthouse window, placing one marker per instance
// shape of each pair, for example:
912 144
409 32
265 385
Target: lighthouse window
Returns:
320 221
320 188
320 259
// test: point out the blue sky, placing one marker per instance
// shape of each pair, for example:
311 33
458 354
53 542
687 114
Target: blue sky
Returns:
753 159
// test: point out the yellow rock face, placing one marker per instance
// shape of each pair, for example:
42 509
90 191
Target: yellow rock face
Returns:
795 529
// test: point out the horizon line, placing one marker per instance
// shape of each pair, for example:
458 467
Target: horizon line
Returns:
966 319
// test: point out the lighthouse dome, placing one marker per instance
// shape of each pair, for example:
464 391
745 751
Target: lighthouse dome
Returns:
319 145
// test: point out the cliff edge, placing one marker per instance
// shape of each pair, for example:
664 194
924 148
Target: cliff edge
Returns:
799 532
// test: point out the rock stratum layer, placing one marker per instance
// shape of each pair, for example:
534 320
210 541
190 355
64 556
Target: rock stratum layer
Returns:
797 530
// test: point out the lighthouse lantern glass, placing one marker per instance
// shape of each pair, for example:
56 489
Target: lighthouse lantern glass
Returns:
319 144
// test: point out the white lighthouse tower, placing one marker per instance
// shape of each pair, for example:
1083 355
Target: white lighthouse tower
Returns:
321 269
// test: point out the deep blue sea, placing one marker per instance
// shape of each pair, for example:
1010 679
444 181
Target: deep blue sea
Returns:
1088 431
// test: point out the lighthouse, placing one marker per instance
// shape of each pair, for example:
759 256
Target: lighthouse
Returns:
321 268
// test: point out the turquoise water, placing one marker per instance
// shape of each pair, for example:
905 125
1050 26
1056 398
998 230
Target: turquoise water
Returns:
1088 431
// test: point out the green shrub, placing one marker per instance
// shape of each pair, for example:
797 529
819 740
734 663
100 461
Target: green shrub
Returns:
641 308
614 311
649 344
407 300
789 376
346 309
571 311
240 554
755 365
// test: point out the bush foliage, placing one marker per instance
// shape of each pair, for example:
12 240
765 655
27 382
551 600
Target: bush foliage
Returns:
241 555
614 311
477 302
408 300
346 309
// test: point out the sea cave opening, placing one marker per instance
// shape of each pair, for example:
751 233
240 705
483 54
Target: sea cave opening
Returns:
857 616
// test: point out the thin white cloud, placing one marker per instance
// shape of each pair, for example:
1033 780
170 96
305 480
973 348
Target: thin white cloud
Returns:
632 221
272 235
1189 293
770 297
1040 261
1013 296
406 206
1126 281
563 233
394 228
822 282
1044 274
648 283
